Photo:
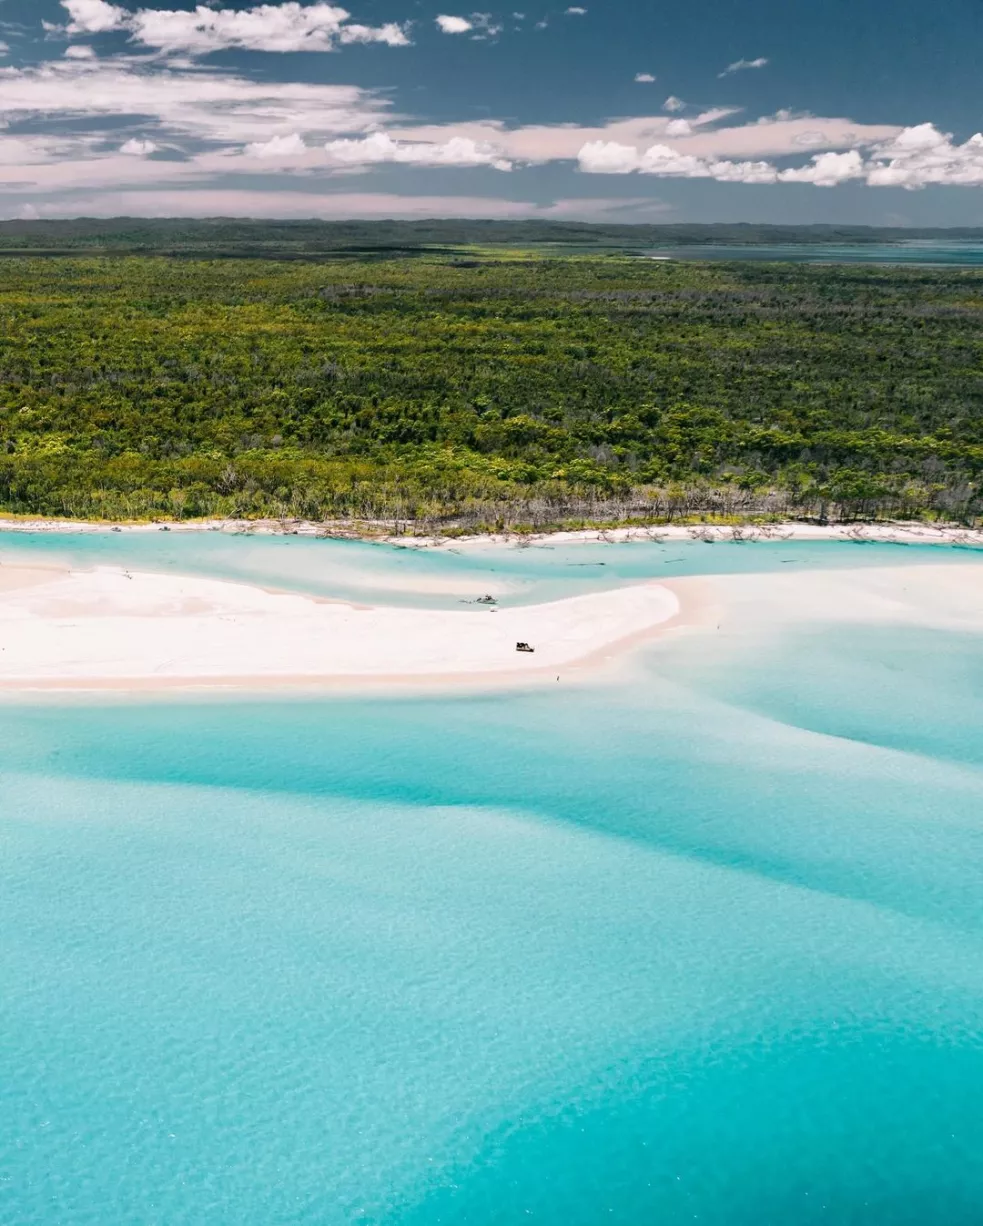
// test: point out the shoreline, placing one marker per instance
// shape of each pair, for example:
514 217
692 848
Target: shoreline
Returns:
911 532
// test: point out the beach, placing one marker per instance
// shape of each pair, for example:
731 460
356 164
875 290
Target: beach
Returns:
912 532
109 627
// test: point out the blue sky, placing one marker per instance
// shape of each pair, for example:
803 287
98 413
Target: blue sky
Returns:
716 110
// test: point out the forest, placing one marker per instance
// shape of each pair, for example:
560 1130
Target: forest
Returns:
483 387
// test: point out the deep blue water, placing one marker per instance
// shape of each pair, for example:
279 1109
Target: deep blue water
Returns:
705 945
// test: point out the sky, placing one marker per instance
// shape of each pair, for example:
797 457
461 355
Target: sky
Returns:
847 111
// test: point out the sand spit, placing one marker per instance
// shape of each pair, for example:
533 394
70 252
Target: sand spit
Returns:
112 628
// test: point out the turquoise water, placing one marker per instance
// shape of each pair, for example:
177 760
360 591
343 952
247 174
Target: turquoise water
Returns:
968 253
360 571
706 945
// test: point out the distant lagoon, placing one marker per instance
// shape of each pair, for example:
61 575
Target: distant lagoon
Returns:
913 251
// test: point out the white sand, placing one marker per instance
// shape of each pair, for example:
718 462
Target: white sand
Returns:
111 628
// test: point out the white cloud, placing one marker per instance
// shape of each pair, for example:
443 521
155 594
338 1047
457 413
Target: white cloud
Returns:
453 25
922 155
380 147
608 157
644 78
741 65
93 16
4 48
672 103
826 169
183 102
79 51
278 147
575 11
784 137
267 27
708 139
138 148
911 158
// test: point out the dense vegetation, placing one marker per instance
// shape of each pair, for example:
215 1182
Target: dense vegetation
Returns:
489 388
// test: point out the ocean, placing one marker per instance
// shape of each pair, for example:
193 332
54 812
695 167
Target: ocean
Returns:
699 943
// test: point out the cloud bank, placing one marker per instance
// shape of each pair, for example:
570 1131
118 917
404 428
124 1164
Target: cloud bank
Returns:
912 158
267 27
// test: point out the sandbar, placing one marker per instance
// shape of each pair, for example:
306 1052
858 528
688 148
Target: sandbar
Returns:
113 628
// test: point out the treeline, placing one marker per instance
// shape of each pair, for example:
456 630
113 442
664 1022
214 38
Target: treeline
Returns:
488 390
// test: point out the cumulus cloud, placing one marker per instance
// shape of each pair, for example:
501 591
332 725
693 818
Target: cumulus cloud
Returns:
922 155
911 158
672 103
741 65
93 16
267 27
278 147
4 48
826 169
576 11
644 78
453 25
138 148
379 147
79 51
608 157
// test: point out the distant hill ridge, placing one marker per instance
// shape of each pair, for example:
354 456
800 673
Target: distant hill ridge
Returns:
242 235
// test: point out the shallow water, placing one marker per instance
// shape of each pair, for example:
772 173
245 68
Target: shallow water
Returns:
703 945
968 253
448 575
